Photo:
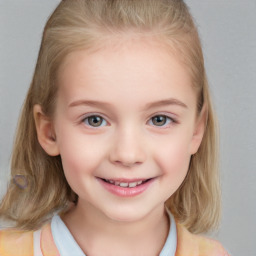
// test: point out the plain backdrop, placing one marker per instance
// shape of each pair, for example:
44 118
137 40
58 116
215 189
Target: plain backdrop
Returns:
228 33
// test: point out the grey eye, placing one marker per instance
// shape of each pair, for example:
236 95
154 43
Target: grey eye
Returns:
160 120
95 121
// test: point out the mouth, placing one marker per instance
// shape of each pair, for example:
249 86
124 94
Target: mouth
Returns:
125 187
126 184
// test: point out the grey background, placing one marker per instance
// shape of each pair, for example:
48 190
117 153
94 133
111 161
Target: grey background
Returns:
228 32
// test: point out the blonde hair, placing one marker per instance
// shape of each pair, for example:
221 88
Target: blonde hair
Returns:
38 186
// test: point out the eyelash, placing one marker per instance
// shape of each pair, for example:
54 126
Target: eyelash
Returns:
171 121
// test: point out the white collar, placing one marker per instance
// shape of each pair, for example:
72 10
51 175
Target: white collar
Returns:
67 245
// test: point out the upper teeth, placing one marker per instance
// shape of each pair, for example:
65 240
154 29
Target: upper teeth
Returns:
125 184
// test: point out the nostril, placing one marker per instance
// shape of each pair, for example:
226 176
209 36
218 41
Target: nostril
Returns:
127 153
127 164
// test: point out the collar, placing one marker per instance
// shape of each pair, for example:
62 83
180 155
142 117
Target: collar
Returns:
67 245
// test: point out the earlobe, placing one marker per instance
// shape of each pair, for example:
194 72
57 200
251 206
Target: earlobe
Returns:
45 132
199 130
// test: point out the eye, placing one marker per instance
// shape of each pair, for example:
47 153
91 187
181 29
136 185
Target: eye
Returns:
95 121
160 120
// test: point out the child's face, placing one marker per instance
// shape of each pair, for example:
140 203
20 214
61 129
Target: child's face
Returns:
125 115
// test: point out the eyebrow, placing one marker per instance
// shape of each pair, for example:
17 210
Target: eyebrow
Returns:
170 101
165 102
89 103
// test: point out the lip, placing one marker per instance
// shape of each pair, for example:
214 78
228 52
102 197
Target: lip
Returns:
126 191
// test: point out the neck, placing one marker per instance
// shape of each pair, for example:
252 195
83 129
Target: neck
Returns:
96 233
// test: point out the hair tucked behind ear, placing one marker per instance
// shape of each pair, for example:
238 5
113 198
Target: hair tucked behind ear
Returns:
91 24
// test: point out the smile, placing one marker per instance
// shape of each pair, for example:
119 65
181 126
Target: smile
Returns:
126 188
126 184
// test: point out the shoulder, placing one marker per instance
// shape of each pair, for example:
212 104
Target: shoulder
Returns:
195 245
21 243
16 242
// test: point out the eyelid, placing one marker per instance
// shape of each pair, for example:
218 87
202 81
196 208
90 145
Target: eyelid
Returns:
167 114
93 114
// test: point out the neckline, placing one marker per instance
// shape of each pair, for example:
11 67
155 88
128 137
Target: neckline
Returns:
67 245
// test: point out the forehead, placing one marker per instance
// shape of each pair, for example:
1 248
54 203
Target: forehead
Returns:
138 67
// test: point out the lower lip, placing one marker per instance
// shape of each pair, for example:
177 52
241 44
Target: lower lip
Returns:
126 192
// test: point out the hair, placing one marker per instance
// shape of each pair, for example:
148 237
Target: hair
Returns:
38 187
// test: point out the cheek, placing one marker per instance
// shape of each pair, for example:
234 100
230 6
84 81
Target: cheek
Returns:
173 160
80 154
75 163
80 163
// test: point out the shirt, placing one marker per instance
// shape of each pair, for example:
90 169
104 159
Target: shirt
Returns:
41 243
67 245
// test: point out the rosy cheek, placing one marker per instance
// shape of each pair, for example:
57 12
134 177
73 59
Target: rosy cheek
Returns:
174 160
79 155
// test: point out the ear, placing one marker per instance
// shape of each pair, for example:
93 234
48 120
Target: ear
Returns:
199 130
45 132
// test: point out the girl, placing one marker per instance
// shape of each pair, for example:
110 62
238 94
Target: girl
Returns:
116 150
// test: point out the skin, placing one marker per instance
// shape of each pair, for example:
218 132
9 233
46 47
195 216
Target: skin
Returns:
127 144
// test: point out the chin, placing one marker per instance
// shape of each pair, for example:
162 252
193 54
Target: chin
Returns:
126 214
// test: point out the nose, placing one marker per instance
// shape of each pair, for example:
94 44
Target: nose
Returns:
128 148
